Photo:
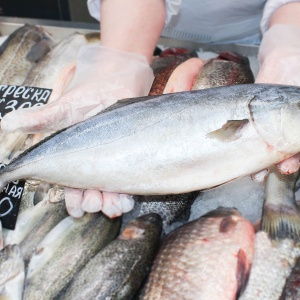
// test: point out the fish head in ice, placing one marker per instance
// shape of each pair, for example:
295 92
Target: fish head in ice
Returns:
276 117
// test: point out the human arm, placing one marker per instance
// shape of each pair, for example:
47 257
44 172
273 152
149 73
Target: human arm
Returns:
279 57
138 27
104 74
136 31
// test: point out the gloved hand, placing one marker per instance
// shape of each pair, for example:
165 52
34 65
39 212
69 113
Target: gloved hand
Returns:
279 58
102 77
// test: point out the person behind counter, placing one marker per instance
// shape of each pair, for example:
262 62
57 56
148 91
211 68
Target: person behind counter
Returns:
119 68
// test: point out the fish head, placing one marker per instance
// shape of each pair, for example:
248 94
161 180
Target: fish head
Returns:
276 117
143 227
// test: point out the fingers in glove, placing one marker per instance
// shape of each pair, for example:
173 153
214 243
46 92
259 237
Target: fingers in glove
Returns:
38 119
290 165
260 176
183 77
74 199
92 201
115 204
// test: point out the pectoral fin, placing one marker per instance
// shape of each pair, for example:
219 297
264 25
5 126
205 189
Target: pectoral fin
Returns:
230 131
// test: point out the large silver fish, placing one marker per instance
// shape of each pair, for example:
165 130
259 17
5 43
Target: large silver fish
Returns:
186 141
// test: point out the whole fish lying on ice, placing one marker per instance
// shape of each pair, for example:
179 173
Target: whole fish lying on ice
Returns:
186 141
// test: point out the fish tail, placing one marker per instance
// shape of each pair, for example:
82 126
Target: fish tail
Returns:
281 221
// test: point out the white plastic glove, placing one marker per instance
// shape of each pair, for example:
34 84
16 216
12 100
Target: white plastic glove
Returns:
102 77
279 58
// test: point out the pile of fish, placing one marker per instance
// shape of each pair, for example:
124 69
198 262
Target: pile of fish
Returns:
165 150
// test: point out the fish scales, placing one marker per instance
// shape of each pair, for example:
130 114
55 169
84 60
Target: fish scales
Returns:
281 214
186 141
64 251
118 270
18 51
272 264
226 69
291 289
18 55
34 224
12 273
209 258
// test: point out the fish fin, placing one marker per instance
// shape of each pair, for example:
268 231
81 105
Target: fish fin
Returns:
222 184
233 57
227 224
281 221
125 102
230 131
38 50
222 211
242 272
93 37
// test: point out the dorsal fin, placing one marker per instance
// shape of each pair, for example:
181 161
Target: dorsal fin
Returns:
125 102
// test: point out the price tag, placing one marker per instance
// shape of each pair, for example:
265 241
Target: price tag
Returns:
13 97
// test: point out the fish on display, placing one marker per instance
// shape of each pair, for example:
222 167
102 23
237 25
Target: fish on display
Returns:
27 199
64 251
186 141
272 264
164 64
172 208
118 270
281 214
12 273
18 55
227 68
34 224
21 51
209 258
215 72
291 290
